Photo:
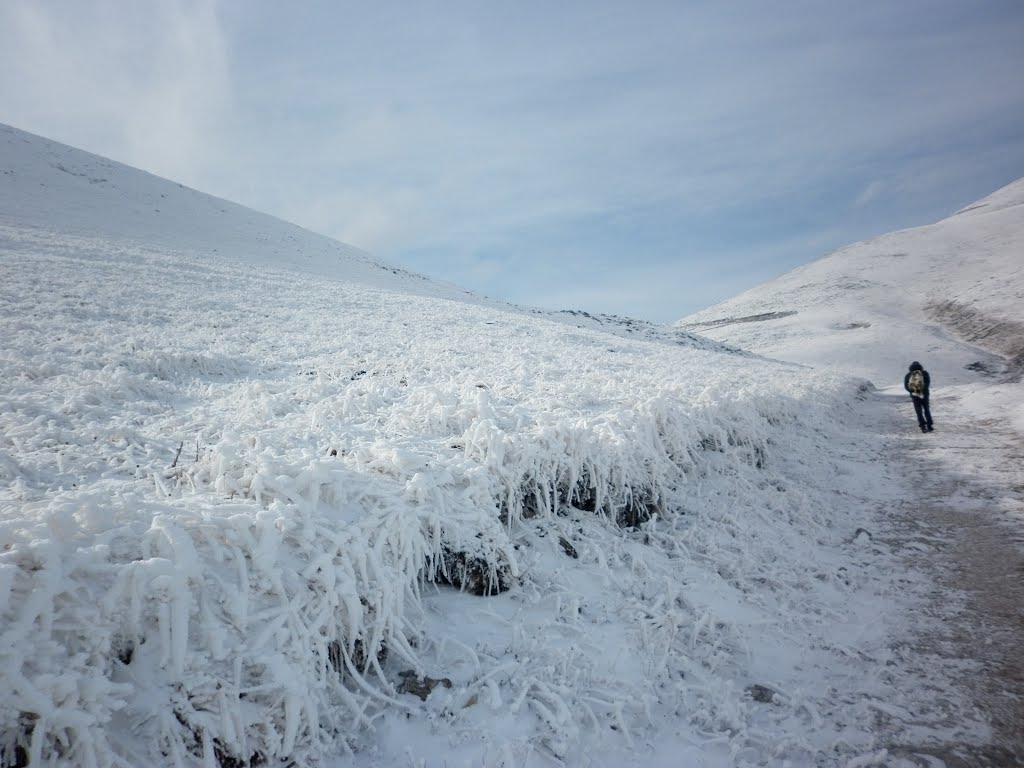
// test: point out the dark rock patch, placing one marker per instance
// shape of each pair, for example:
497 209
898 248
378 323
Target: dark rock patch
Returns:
227 760
634 512
980 367
568 548
746 319
471 574
850 326
420 686
762 693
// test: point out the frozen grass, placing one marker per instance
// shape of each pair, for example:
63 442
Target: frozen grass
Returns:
246 513
225 492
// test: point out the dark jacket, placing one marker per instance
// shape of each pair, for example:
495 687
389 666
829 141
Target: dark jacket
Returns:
927 378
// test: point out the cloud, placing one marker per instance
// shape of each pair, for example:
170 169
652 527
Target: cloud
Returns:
566 143
871 192
479 121
145 83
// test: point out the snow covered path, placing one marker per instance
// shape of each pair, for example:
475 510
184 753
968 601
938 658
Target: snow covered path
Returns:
962 525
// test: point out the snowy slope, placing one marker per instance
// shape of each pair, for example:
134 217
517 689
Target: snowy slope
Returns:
50 188
236 491
55 188
950 294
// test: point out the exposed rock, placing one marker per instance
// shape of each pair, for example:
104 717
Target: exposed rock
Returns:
762 693
421 687
635 511
568 548
980 367
851 326
747 319
472 574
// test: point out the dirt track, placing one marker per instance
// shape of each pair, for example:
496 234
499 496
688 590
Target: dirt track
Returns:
965 529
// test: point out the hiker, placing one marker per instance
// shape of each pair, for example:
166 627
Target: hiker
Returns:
916 382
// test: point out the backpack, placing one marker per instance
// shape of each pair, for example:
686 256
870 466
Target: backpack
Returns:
916 383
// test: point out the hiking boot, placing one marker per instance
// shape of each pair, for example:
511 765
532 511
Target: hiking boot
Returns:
924 429
930 428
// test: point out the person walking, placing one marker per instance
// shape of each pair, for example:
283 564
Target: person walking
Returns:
917 382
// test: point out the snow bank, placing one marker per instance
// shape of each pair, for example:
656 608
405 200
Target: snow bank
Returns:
224 493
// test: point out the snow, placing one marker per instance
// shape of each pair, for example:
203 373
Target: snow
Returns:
948 294
48 185
240 463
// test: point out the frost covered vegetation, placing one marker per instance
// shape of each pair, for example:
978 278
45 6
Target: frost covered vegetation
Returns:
249 515
226 493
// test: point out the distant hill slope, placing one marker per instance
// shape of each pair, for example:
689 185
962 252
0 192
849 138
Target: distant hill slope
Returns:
48 187
950 294
51 187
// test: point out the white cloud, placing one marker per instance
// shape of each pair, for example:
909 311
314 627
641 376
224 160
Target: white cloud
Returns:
145 83
469 120
869 194
483 128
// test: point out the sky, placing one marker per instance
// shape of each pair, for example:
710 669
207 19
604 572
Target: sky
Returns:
634 158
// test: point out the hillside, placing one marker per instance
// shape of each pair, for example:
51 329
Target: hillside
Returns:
949 294
50 189
53 188
267 501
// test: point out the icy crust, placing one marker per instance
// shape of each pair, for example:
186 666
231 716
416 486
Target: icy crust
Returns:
224 494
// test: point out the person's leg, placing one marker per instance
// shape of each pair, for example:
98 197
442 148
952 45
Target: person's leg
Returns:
919 410
927 413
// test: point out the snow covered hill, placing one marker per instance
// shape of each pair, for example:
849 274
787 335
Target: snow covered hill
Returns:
48 188
264 499
950 294
57 189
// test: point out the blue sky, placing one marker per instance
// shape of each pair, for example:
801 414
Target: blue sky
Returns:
637 158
